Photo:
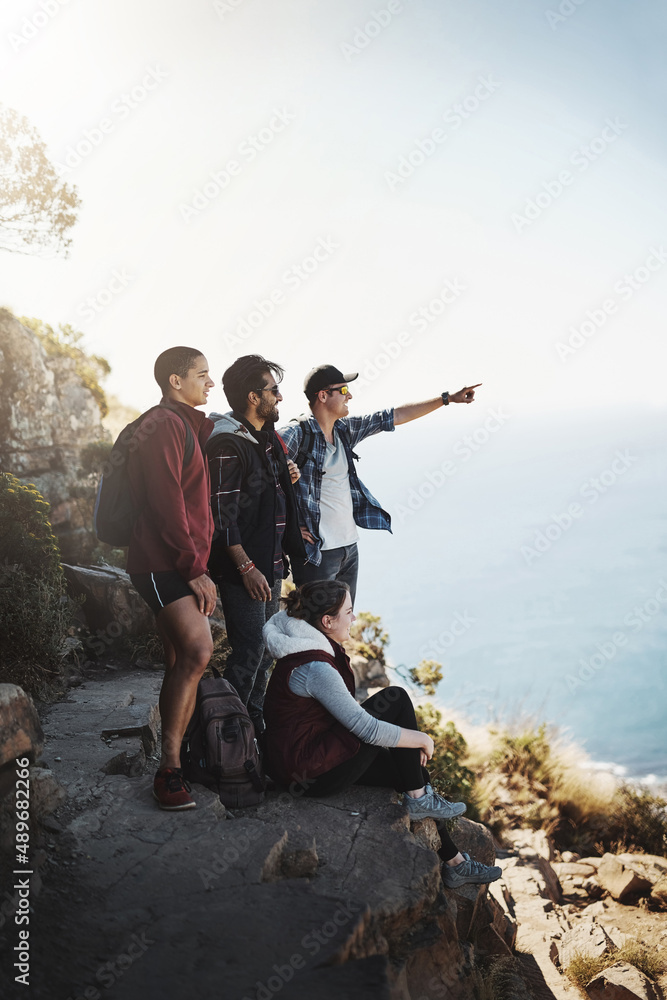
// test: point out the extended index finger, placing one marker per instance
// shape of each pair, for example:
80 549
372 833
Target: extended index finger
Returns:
474 386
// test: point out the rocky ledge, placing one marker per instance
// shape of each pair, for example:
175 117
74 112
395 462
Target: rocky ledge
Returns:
299 897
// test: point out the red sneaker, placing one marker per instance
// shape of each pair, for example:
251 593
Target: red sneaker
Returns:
171 790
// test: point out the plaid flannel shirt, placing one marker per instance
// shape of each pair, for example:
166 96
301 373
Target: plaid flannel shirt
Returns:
367 511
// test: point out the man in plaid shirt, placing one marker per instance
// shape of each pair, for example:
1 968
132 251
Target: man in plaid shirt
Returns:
332 501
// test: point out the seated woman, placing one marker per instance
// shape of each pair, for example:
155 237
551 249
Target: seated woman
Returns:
320 737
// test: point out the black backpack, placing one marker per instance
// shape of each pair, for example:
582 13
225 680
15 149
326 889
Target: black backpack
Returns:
219 748
115 513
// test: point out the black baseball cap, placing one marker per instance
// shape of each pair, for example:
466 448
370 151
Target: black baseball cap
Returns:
322 377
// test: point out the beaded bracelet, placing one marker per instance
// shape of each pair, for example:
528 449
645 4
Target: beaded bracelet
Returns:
250 566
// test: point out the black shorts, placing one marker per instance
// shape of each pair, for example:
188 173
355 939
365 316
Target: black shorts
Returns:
160 589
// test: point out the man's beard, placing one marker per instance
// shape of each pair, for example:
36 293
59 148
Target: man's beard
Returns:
268 411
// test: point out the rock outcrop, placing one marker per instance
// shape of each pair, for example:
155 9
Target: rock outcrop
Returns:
47 416
20 729
583 907
621 982
369 675
301 897
111 606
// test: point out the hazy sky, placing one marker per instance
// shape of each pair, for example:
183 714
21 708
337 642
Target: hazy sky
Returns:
343 203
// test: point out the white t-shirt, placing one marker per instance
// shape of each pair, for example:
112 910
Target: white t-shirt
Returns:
337 527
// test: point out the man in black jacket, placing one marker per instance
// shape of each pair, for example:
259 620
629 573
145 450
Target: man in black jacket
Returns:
255 517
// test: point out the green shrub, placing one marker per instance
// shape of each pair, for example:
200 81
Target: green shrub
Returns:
368 637
550 791
26 538
428 675
639 823
528 753
93 458
449 774
35 614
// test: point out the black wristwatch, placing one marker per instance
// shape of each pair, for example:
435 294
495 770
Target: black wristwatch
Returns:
445 398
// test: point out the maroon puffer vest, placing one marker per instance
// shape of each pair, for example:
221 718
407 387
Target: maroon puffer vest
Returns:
303 739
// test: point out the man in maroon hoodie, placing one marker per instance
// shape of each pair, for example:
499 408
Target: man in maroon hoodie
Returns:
170 545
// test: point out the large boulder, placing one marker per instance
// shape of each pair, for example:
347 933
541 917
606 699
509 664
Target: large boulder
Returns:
47 416
621 982
588 937
112 607
475 840
620 880
369 674
651 867
659 894
20 730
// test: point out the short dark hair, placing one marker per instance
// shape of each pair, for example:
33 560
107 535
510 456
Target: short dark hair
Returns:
311 601
175 361
245 376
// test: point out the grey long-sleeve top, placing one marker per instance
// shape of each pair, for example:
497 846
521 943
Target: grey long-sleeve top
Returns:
320 680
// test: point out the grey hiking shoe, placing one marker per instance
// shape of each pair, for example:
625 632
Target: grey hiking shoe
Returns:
433 806
469 871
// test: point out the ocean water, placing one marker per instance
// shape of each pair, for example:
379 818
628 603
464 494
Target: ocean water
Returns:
533 569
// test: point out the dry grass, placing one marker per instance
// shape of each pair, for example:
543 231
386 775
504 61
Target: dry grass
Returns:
583 967
528 775
498 979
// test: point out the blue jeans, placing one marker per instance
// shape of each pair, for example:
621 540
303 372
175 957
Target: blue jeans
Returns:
337 564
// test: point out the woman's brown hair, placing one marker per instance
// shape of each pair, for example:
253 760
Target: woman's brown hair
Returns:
311 601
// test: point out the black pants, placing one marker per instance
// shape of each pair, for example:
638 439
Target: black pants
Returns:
384 767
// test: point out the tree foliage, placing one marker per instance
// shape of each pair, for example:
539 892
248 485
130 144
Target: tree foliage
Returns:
37 208
447 768
369 637
428 675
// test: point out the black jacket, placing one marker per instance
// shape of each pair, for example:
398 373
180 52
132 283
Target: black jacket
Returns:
243 498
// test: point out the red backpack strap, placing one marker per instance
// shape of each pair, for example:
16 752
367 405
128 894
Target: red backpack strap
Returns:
284 446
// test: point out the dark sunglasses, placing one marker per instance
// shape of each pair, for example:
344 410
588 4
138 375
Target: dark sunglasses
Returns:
275 389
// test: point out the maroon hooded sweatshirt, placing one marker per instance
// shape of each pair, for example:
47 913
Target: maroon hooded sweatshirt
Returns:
175 527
